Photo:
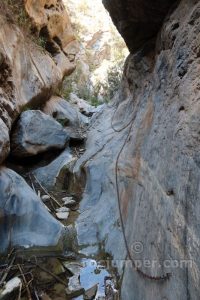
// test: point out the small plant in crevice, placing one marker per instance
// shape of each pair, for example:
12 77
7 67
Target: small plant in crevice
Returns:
22 18
16 13
14 9
41 41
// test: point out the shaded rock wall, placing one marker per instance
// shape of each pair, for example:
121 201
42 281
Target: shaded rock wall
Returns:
152 131
137 20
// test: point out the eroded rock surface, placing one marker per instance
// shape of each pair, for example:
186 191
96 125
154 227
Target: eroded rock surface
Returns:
51 20
149 137
29 75
35 132
69 116
48 175
84 107
25 222
65 112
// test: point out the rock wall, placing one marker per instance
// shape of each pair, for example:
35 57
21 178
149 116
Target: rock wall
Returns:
29 75
138 20
142 156
37 50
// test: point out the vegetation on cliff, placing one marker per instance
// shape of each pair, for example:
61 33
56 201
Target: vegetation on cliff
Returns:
102 53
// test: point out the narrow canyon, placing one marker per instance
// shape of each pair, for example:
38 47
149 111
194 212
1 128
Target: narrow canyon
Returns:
99 195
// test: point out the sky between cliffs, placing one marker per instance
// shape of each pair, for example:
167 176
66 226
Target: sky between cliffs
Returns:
101 49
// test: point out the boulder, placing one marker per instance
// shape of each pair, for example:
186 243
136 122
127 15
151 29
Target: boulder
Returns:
74 288
62 213
84 107
4 141
35 133
48 175
68 115
73 267
65 112
25 222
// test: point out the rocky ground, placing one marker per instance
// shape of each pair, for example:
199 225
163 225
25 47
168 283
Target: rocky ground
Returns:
44 155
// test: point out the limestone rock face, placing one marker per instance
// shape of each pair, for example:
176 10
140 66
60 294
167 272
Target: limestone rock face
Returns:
35 132
68 115
24 220
51 19
137 20
84 107
28 74
64 111
49 175
150 137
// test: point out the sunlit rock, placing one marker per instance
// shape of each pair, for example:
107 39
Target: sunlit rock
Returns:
29 74
51 19
69 116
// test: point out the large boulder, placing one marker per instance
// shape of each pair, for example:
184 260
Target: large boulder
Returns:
49 176
23 84
68 115
36 132
24 220
84 107
138 20
4 141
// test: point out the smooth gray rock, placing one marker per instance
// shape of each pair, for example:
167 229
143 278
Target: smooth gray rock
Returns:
73 267
68 115
25 222
35 132
152 129
49 175
65 112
